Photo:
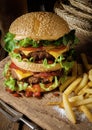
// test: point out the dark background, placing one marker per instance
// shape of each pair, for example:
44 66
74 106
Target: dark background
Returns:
37 5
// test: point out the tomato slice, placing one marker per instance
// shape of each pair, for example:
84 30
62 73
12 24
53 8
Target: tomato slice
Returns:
12 65
36 88
34 91
30 48
37 94
56 49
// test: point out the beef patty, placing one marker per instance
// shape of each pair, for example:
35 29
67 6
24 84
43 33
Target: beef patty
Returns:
38 56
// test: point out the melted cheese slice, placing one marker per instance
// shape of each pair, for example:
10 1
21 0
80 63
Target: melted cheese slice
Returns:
20 74
26 52
55 52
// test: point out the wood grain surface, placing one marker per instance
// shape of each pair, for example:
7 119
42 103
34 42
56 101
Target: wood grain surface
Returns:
38 111
7 124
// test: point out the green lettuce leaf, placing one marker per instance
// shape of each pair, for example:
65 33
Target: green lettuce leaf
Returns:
70 38
11 84
6 67
53 86
67 65
22 86
16 56
28 42
10 42
45 63
58 60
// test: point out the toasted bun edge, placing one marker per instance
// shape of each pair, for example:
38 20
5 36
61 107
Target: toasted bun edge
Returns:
33 67
39 26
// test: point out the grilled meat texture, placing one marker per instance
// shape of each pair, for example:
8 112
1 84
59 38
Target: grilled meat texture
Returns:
45 77
38 56
35 80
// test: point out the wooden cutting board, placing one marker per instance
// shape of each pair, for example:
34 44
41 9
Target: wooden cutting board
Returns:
38 111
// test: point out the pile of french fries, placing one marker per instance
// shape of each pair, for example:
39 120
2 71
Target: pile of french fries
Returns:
76 91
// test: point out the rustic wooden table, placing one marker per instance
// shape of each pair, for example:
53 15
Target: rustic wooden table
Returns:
6 124
6 17
37 111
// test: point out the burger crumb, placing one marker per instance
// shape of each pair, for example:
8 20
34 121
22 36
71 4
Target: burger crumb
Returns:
56 94
17 95
9 90
28 94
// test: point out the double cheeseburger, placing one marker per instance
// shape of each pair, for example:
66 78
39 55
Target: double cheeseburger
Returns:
40 49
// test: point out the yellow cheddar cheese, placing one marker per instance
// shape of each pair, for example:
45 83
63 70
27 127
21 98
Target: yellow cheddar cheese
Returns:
20 74
26 52
55 52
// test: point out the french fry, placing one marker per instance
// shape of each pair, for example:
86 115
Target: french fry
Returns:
74 69
53 103
81 102
82 83
76 98
68 109
82 91
90 75
66 83
89 106
61 105
86 112
72 99
88 90
86 95
90 95
80 69
90 83
72 86
77 91
90 66
85 61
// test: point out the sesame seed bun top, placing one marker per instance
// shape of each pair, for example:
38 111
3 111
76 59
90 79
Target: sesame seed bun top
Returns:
39 26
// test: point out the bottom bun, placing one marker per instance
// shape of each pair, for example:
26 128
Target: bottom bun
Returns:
33 67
